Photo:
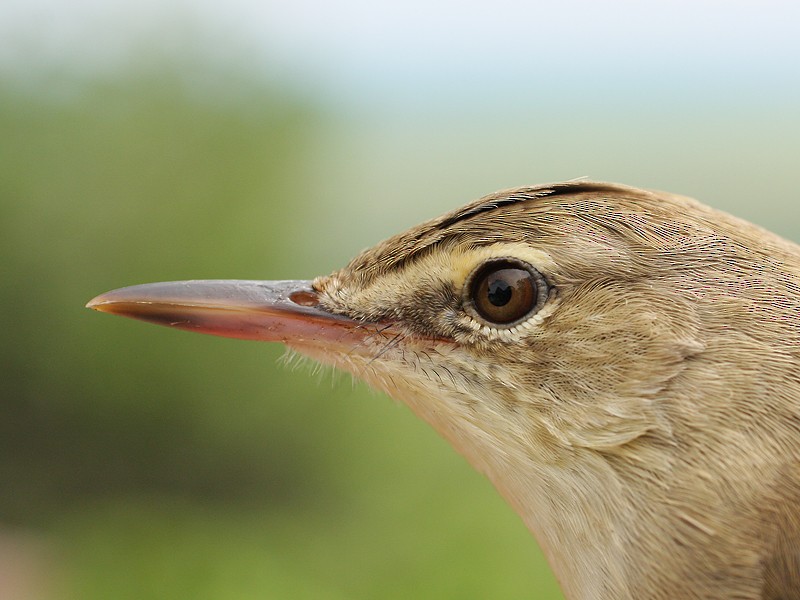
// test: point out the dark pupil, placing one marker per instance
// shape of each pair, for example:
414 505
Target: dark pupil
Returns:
503 292
499 292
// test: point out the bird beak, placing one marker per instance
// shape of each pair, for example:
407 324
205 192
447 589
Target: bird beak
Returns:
273 311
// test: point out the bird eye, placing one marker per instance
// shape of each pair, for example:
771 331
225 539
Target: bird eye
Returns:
503 292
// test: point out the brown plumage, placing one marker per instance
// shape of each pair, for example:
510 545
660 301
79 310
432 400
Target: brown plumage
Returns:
643 415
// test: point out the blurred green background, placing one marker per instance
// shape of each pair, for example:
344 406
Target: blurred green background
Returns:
165 141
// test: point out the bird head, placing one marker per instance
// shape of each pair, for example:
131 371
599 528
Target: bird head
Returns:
565 339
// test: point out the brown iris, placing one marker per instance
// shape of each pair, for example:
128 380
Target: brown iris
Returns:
504 291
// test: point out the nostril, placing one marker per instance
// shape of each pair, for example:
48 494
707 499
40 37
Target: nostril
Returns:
304 298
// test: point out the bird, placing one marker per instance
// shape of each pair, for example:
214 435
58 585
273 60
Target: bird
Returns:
622 364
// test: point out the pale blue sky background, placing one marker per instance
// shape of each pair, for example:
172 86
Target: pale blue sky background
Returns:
426 55
437 102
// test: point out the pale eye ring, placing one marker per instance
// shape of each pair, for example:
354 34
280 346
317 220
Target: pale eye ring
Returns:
503 292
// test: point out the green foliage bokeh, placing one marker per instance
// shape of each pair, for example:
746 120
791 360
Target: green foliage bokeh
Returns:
164 465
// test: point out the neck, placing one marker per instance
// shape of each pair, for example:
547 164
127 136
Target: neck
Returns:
579 530
582 535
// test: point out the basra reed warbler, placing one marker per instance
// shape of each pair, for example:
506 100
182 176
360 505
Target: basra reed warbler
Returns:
623 365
